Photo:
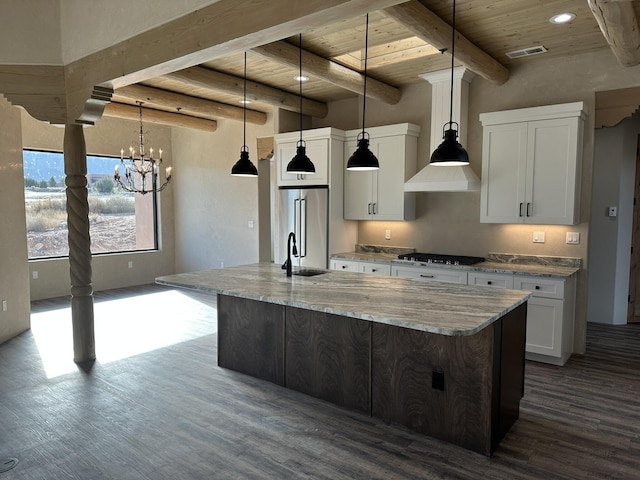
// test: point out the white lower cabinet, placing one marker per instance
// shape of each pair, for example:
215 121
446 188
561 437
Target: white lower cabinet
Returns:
428 274
345 265
374 268
550 312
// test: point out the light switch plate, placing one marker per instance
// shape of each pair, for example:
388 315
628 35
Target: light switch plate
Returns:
387 234
538 237
573 238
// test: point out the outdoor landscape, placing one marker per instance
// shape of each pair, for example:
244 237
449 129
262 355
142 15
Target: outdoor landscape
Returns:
111 211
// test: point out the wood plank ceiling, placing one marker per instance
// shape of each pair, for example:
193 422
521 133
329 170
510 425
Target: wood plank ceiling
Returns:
404 42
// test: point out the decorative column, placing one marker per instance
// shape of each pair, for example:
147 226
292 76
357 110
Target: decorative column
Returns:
75 169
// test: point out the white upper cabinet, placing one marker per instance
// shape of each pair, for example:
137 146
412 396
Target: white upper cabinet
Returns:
324 148
531 165
379 194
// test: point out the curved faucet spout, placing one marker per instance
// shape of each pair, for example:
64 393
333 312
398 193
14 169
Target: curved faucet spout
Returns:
292 236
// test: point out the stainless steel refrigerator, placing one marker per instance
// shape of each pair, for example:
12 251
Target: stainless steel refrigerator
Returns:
305 212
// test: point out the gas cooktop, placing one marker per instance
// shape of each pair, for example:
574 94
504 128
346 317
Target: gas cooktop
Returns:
437 258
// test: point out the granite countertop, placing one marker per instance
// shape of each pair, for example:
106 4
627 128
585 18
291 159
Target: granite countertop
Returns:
435 307
540 266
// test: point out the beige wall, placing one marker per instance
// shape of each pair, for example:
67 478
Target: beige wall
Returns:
109 271
449 222
212 208
14 281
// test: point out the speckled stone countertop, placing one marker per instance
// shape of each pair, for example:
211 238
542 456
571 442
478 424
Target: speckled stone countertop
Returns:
539 266
442 308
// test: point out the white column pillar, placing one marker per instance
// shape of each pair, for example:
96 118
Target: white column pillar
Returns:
75 168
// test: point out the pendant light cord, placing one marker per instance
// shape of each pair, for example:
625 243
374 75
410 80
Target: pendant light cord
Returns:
364 93
453 49
300 81
244 104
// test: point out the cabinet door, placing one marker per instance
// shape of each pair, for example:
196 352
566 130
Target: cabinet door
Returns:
345 265
544 326
318 153
504 156
375 268
358 201
388 186
552 171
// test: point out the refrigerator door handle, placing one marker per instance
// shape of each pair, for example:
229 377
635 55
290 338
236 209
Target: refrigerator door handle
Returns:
296 223
303 227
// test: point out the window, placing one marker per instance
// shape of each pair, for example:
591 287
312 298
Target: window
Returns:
119 221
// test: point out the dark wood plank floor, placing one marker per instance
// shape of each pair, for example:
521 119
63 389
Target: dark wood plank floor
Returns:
171 413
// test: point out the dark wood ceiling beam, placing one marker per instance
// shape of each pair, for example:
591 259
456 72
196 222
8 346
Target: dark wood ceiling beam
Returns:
432 29
131 112
619 25
186 104
213 80
329 71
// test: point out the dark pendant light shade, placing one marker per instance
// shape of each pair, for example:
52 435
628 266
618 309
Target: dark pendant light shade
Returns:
301 164
244 167
363 159
450 153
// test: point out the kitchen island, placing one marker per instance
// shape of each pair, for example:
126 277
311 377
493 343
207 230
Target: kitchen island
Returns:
445 360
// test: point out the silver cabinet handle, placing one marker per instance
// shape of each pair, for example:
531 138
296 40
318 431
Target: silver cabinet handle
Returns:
369 209
520 209
374 208
344 266
427 276
528 212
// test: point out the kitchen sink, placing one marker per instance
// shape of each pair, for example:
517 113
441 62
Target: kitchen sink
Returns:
307 272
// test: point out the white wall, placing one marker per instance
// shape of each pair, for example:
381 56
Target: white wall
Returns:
14 283
610 237
109 271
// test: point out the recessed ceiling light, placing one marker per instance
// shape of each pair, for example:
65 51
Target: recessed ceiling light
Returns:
562 18
299 78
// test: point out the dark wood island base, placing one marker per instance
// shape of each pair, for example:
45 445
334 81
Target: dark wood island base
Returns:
465 390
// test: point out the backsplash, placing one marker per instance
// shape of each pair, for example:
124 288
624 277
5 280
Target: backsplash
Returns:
534 260
383 249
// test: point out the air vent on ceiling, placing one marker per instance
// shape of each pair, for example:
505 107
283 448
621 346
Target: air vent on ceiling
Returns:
526 52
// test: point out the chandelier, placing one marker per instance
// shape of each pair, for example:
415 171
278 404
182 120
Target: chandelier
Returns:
140 169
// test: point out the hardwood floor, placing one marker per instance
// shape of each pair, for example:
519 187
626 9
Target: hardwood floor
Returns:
171 413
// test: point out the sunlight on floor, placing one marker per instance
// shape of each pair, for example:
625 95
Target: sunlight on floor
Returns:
123 328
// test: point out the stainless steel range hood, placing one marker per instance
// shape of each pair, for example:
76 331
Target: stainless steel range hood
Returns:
434 178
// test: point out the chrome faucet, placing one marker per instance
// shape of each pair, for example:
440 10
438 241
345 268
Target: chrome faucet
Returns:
287 263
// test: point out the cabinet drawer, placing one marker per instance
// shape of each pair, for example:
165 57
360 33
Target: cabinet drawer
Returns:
375 268
345 265
539 286
496 280
430 274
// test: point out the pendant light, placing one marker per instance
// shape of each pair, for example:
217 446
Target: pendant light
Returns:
363 159
244 167
450 152
301 164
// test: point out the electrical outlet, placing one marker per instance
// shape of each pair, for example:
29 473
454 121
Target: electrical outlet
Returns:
613 211
250 224
34 275
573 238
538 237
387 234
130 264
4 305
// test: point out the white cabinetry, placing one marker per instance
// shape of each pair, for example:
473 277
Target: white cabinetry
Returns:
429 274
379 194
550 312
345 265
324 149
531 165
373 268
550 317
